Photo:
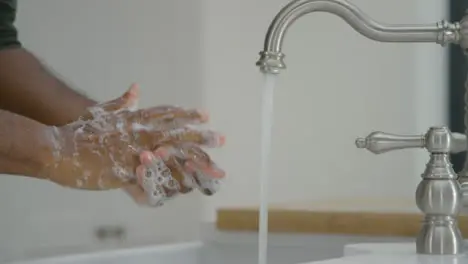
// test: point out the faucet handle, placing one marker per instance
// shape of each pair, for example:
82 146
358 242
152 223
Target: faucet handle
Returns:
380 142
436 140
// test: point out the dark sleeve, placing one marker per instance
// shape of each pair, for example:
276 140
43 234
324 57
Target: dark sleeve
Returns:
8 32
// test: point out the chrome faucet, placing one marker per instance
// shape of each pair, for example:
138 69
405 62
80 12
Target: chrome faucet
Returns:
440 194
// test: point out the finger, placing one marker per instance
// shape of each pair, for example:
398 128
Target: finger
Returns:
165 171
205 173
158 182
202 162
133 98
125 102
140 174
199 172
158 118
177 164
206 184
155 193
211 170
185 180
194 157
138 194
166 108
128 100
205 138
162 109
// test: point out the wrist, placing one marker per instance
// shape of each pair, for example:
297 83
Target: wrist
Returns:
26 146
47 158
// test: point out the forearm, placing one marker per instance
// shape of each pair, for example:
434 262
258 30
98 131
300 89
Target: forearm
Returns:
29 89
17 167
25 145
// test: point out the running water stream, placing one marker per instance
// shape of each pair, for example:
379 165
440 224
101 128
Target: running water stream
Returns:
265 147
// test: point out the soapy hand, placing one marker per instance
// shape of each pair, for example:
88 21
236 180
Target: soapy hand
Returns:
109 147
172 170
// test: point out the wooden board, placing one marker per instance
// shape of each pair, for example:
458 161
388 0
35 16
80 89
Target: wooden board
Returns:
316 220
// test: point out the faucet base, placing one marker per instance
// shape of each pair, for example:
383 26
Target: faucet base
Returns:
439 237
439 195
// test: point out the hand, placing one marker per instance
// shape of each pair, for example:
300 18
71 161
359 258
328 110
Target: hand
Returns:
101 150
173 170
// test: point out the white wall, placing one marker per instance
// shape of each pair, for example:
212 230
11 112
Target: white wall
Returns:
338 86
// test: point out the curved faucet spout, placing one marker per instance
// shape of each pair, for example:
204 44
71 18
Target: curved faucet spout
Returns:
271 58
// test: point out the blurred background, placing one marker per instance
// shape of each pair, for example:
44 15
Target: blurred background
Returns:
201 53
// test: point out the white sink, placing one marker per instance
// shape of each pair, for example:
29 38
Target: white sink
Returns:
184 253
225 248
189 253
391 253
199 253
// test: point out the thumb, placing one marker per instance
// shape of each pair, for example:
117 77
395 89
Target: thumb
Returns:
127 101
134 96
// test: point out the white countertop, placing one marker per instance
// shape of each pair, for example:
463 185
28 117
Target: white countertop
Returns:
401 248
189 253
396 259
390 253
